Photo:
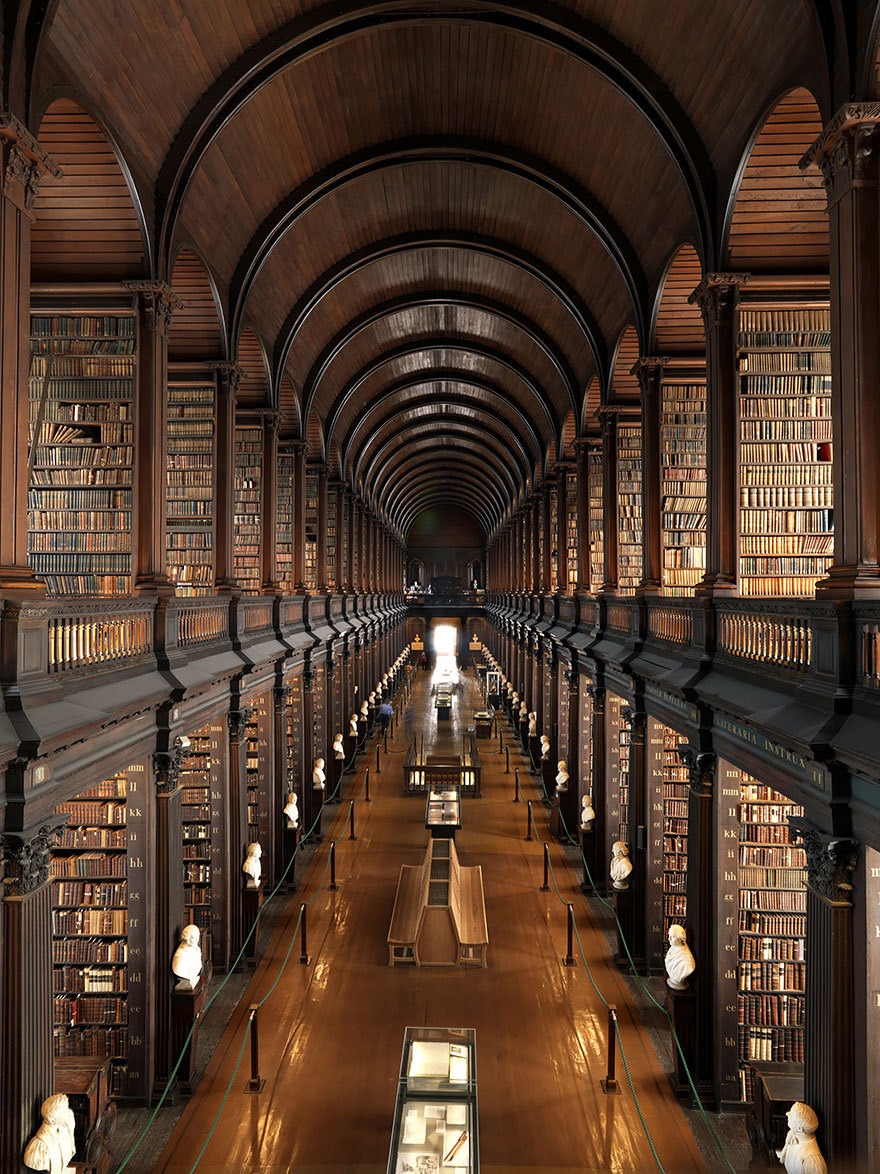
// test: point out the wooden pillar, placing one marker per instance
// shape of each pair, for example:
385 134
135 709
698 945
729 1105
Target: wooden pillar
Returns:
650 374
569 803
361 549
321 472
608 423
168 910
829 1065
155 303
562 530
269 503
707 930
237 831
847 152
717 296
338 488
536 582
636 719
544 556
283 777
582 450
229 376
299 516
26 982
599 784
351 562
22 160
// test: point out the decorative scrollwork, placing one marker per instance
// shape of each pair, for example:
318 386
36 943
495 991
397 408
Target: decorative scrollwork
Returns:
166 769
238 720
160 302
830 860
701 768
26 860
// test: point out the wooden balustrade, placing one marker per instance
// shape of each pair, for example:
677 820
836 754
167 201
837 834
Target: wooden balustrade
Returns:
870 655
619 617
202 624
257 616
82 638
671 624
768 636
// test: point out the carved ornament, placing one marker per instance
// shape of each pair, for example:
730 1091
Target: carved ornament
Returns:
26 860
716 295
159 302
830 860
238 720
229 375
701 768
845 150
166 769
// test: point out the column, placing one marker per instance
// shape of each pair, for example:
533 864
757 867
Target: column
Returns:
280 694
26 982
846 151
608 424
829 1058
321 472
636 719
538 562
718 296
269 504
351 562
549 537
155 303
299 516
650 375
594 842
562 530
168 911
582 450
229 376
569 803
22 160
362 548
338 488
237 828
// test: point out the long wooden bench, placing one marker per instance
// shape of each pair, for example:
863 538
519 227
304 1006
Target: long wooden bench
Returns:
407 914
473 930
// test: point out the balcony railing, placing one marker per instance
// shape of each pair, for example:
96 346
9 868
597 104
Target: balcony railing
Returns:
767 633
202 622
670 622
80 636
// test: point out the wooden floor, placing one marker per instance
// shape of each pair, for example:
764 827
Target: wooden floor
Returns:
331 1034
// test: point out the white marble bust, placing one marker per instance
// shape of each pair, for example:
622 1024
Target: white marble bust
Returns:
562 776
523 712
365 709
514 697
252 868
371 700
545 747
588 815
533 725
800 1154
187 961
621 865
353 725
52 1147
338 748
291 810
319 775
680 963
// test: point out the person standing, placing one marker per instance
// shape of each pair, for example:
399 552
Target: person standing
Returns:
386 712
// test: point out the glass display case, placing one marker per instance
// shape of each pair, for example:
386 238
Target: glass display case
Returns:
443 702
435 1117
443 811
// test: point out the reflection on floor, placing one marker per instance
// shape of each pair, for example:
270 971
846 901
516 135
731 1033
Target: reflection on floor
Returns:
331 1033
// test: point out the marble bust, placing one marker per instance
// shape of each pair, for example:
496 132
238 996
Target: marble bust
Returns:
291 810
52 1147
800 1154
353 725
545 747
365 709
679 961
588 815
533 724
621 865
371 700
338 749
319 777
514 698
562 776
252 868
523 712
187 961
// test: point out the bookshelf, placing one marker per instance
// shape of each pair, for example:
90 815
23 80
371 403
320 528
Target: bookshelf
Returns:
551 538
785 434
81 437
629 508
617 762
683 485
190 488
666 860
248 496
331 540
311 574
571 531
195 781
597 521
98 931
284 523
258 770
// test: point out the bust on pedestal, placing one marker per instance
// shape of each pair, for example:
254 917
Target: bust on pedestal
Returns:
679 961
52 1147
545 747
338 748
291 811
621 865
252 899
353 726
588 815
319 777
252 868
800 1154
561 777
186 965
533 724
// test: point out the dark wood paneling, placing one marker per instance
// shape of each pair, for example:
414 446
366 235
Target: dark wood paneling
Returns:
679 326
195 329
254 387
625 385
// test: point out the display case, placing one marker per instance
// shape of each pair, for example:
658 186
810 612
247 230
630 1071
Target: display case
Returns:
443 702
443 811
435 1117
483 719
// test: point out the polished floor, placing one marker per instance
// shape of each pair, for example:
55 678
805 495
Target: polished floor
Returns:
331 1033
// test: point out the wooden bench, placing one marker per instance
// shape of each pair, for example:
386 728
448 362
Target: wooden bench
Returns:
407 914
473 930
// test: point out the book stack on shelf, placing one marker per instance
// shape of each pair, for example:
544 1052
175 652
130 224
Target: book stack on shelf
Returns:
683 489
623 742
248 501
771 969
190 488
597 521
331 541
90 927
550 539
284 522
252 767
675 828
571 530
311 576
786 492
195 781
629 508
81 451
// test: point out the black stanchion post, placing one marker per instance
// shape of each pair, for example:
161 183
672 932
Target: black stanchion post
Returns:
516 785
351 834
507 760
304 949
568 960
378 767
529 820
255 1084
500 741
386 741
545 887
367 798
609 1084
333 886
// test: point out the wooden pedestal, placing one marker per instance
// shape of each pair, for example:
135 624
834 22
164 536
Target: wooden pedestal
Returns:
624 903
591 848
251 900
351 745
556 828
682 1008
289 840
85 1081
533 747
186 1008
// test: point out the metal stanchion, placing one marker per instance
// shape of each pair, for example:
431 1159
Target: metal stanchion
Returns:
545 887
609 1084
529 820
351 834
333 885
516 785
304 950
378 767
569 959
507 760
386 741
500 741
255 1084
367 798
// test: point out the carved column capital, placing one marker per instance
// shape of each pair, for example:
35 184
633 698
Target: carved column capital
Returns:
24 162
635 719
166 769
846 150
717 295
238 720
229 375
159 302
573 679
701 769
830 860
280 695
26 858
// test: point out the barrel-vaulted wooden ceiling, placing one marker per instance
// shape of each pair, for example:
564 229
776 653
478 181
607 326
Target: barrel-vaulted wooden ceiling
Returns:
433 232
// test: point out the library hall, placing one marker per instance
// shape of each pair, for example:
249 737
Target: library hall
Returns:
439 586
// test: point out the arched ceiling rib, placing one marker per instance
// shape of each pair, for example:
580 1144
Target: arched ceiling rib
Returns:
464 461
386 453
